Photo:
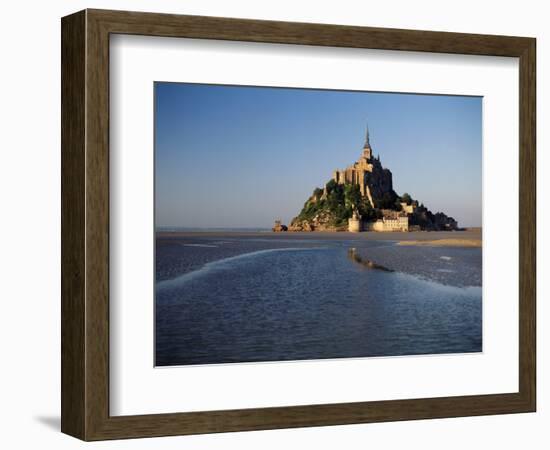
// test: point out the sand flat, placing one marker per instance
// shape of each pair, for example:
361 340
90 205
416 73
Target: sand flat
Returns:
471 235
444 243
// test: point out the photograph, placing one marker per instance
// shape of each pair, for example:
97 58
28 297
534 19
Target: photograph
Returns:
236 225
307 224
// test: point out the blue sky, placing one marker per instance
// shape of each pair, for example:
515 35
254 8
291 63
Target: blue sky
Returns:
232 156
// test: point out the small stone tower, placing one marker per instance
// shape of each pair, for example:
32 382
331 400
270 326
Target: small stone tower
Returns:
354 223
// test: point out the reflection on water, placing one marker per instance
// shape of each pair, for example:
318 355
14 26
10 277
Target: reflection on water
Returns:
242 300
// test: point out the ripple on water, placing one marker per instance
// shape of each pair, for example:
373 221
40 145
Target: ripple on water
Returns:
296 303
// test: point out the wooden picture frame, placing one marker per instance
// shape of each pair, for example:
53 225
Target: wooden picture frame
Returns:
85 224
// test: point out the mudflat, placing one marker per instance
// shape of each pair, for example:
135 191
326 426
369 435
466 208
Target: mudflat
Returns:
445 243
466 238
224 297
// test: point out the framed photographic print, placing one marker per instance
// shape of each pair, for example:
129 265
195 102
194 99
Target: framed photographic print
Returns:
272 224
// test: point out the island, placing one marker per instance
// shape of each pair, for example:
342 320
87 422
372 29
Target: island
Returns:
361 198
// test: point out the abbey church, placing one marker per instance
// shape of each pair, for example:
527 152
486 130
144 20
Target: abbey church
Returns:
374 181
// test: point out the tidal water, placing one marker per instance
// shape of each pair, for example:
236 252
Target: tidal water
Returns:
245 299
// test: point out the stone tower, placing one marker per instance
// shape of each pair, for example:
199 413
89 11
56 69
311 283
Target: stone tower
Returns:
354 223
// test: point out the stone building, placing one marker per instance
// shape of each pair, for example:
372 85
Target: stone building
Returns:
409 209
399 223
367 172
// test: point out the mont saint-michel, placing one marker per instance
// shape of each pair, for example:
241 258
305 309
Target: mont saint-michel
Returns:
361 198
378 249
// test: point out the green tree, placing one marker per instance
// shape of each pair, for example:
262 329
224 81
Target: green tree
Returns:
352 196
387 201
406 198
366 209
331 185
318 192
397 204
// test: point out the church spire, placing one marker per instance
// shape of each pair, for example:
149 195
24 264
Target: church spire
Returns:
367 140
367 150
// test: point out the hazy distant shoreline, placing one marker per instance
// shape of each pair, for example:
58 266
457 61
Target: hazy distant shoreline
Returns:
468 236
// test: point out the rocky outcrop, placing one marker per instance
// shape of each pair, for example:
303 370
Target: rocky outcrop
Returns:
356 257
323 221
379 186
424 219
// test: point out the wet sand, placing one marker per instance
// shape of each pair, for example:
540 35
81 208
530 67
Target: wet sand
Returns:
445 243
467 238
224 297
